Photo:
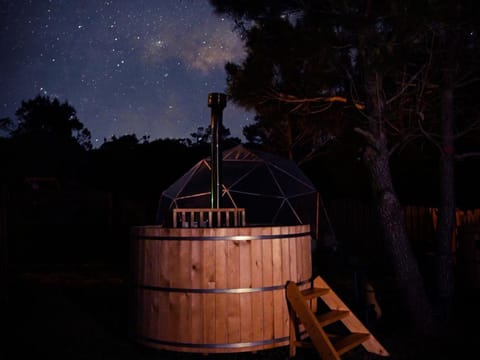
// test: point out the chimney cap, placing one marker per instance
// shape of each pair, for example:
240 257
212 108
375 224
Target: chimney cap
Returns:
217 100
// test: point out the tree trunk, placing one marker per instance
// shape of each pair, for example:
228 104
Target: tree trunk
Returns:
446 211
392 219
392 216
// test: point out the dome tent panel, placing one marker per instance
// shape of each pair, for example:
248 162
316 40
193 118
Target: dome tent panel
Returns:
236 170
291 185
240 153
305 207
198 183
199 201
259 182
177 187
259 209
286 165
287 215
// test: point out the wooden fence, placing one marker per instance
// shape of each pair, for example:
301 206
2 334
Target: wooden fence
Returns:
355 225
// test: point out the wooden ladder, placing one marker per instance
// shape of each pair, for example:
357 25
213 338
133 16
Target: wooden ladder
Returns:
316 325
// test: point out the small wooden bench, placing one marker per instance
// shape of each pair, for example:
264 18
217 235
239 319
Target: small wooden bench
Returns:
206 217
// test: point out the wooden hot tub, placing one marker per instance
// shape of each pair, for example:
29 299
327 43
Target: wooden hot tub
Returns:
216 290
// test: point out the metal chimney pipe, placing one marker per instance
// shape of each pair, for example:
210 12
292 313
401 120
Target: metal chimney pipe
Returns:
217 102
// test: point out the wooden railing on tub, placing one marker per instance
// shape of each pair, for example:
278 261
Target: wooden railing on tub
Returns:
206 217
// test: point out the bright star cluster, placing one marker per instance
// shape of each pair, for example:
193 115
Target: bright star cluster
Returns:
141 67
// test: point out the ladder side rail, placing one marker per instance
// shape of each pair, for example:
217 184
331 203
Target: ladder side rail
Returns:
319 338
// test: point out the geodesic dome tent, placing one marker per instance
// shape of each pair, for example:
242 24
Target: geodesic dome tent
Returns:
273 190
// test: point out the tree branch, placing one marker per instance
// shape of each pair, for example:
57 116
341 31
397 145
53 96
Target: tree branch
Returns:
286 98
467 155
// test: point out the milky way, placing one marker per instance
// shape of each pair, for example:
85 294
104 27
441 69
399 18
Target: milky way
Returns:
142 67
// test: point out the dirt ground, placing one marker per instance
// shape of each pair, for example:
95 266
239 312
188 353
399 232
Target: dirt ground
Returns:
82 313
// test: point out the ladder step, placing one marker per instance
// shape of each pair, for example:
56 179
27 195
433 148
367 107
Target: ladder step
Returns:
348 342
313 293
303 315
331 316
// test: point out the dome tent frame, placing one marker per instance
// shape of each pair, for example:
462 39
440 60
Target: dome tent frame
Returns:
273 190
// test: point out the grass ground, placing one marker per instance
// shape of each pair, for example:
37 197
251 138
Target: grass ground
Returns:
81 313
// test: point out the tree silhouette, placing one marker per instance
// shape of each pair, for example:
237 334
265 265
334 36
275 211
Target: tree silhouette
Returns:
6 125
47 139
203 136
48 118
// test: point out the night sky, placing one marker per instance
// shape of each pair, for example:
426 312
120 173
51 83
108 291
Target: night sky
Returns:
141 67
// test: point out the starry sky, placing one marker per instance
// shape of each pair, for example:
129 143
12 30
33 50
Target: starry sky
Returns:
142 67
